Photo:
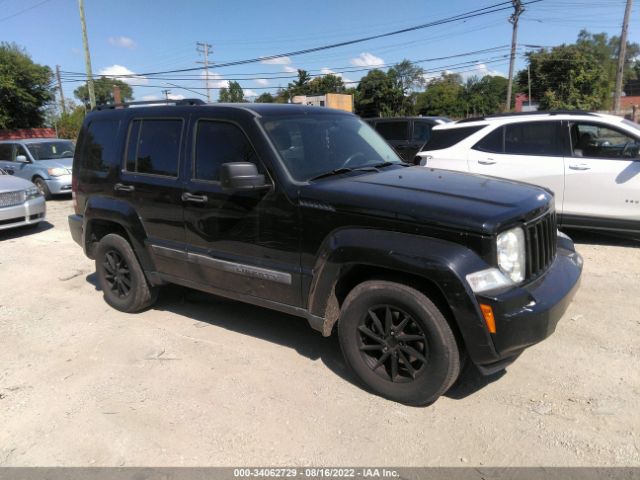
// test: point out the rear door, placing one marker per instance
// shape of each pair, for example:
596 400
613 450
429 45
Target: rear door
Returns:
150 183
530 152
6 157
396 133
602 177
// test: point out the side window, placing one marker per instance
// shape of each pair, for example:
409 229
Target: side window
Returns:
448 137
99 146
20 150
421 131
153 146
492 143
393 130
597 141
6 152
533 138
218 143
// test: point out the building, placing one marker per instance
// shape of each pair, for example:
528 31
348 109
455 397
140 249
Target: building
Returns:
341 101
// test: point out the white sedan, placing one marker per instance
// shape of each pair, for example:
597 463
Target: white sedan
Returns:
21 203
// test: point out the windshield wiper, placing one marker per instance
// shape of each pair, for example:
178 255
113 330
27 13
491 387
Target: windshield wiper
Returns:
387 164
341 170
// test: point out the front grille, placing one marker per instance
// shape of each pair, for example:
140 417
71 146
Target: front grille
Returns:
541 238
9 199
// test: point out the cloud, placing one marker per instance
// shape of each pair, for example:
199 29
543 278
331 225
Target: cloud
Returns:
328 71
250 93
366 59
276 61
149 98
123 73
262 82
481 70
176 96
123 42
215 80
289 69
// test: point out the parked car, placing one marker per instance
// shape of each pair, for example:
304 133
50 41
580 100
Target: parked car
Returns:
407 135
309 212
44 161
21 203
590 161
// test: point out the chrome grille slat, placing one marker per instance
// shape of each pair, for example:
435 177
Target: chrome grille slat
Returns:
10 199
541 238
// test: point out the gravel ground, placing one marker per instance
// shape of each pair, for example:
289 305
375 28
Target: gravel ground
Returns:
200 380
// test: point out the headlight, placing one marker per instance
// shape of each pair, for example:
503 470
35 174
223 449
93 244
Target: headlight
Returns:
511 254
31 193
58 172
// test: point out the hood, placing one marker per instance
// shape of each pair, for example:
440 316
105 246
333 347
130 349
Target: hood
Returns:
427 196
9 183
66 162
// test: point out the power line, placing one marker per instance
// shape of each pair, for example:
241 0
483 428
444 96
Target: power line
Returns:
25 10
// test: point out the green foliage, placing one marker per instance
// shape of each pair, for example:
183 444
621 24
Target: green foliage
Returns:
103 88
484 96
68 124
325 84
444 96
233 94
265 97
24 88
568 77
377 95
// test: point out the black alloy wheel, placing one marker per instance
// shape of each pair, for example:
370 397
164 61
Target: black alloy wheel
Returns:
117 273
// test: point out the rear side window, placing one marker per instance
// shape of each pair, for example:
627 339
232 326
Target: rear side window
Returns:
99 146
493 143
6 151
218 143
533 138
153 146
393 130
447 138
421 131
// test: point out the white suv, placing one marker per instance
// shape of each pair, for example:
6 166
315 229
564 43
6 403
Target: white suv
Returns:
590 161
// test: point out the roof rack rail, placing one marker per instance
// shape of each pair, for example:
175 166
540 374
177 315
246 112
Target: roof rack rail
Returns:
184 101
516 114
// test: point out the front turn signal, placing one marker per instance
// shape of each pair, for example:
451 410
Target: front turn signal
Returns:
489 319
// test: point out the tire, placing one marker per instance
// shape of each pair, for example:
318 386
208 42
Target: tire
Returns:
42 186
427 358
120 276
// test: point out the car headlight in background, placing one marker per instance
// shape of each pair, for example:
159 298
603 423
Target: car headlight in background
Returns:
58 172
31 193
511 254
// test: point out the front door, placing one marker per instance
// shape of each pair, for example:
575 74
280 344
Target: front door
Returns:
530 152
602 177
241 242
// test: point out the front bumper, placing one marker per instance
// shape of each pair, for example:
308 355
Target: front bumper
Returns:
528 314
59 185
27 213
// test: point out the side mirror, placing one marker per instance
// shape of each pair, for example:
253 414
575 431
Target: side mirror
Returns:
241 176
22 159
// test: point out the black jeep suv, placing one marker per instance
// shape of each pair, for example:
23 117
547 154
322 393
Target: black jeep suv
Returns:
308 211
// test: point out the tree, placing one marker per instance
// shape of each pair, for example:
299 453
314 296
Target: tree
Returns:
24 88
103 87
325 84
567 77
300 86
484 95
377 96
406 77
232 94
68 124
265 97
444 96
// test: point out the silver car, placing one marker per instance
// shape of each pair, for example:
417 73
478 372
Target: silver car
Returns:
21 203
44 161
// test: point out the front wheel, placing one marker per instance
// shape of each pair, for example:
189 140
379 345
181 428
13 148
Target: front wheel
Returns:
42 186
398 343
120 276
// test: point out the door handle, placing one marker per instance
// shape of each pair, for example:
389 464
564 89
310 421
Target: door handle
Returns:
190 197
488 161
579 166
119 187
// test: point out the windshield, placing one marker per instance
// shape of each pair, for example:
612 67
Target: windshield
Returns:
313 145
631 124
51 150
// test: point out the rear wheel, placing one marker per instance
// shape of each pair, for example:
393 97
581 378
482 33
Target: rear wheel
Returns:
398 343
120 276
42 186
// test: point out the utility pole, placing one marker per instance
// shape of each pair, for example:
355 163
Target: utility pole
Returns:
87 57
166 94
203 47
513 20
64 108
622 53
117 99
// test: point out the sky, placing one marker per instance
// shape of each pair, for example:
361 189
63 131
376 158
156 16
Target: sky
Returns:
128 37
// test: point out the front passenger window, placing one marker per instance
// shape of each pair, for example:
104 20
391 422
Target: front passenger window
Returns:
596 141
